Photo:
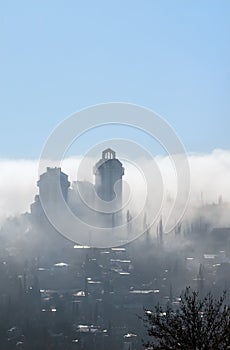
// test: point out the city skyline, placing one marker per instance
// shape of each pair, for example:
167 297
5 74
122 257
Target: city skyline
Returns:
115 175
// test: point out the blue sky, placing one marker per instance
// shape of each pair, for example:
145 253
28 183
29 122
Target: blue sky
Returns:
60 56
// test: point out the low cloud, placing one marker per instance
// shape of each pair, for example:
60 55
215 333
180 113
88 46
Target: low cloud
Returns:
210 178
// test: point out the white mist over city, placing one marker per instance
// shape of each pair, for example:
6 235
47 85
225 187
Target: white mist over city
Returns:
115 175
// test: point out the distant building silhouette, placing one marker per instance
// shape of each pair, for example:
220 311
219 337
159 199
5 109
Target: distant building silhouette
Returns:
108 173
48 184
108 187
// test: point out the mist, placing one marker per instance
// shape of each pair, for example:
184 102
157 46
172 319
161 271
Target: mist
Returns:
209 174
116 281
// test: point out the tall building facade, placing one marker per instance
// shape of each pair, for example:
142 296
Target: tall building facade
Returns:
48 185
108 173
49 181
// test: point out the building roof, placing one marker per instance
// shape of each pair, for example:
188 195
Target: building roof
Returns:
108 159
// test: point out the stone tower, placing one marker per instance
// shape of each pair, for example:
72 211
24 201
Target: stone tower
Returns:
108 173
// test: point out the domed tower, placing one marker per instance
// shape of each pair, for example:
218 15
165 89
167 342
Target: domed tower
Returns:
108 171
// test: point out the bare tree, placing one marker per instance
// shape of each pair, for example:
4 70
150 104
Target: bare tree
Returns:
197 324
